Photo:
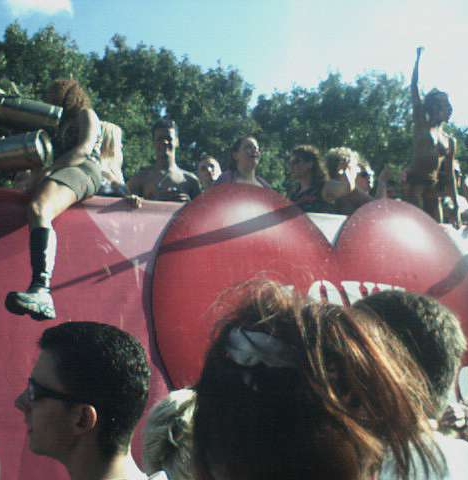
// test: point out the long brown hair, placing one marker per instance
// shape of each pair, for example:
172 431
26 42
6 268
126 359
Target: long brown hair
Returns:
346 392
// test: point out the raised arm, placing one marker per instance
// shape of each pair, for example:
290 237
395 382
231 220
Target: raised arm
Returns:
417 104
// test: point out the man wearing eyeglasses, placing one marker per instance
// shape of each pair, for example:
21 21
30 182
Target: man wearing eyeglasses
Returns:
84 398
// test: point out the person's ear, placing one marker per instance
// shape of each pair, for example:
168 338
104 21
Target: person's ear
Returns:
86 418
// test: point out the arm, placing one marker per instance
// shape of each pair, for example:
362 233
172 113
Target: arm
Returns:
383 178
88 133
452 181
416 99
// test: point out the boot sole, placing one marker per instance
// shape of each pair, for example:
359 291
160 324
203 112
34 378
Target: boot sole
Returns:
13 307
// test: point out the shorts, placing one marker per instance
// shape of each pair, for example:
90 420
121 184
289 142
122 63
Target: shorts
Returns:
84 179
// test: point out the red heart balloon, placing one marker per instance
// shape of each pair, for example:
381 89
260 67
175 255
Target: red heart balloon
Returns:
235 232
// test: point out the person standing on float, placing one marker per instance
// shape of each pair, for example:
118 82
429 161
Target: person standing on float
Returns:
432 169
74 176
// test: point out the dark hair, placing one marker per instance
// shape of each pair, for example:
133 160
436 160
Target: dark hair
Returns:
430 331
165 123
109 368
70 96
311 154
235 148
326 409
434 99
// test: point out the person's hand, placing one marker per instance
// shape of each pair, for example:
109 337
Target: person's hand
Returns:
134 201
173 195
457 221
454 417
385 175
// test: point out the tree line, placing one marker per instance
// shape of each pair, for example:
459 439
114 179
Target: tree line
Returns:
133 86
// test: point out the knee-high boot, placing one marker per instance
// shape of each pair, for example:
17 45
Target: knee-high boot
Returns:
37 300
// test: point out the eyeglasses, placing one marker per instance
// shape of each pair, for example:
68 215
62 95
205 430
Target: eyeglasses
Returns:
36 391
208 166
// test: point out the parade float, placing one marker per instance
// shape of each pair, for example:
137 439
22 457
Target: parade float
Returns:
157 272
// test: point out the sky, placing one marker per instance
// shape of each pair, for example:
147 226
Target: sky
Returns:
277 44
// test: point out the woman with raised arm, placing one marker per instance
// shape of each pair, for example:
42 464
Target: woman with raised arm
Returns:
432 170
74 176
294 390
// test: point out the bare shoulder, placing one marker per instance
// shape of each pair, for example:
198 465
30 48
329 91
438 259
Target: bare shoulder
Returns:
190 176
334 189
88 115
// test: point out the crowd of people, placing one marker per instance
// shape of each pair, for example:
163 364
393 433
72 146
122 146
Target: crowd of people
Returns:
289 389
89 160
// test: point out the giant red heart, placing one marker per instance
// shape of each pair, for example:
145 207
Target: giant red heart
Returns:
235 232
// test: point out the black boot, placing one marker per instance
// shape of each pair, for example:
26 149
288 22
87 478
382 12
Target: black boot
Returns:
37 301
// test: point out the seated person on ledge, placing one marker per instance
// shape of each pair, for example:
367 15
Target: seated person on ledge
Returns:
165 180
113 183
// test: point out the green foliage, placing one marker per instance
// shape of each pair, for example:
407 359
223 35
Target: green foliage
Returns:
132 87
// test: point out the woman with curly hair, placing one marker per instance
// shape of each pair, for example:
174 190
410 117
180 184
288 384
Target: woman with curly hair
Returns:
432 170
74 176
341 190
292 389
309 171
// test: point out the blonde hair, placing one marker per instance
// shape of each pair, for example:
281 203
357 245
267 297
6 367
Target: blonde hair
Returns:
167 440
111 150
339 158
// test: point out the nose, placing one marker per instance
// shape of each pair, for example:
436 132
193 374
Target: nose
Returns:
22 402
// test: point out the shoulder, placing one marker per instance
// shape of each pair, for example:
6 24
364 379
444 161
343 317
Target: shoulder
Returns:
161 475
189 176
263 182
225 177
88 114
455 452
140 176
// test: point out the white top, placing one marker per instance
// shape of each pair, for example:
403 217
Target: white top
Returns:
455 452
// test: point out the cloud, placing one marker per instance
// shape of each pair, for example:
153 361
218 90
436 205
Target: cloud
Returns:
47 7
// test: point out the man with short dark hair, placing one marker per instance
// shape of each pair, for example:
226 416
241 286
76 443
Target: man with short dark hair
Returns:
84 398
433 336
165 180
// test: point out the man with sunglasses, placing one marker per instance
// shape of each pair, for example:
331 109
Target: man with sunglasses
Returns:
86 393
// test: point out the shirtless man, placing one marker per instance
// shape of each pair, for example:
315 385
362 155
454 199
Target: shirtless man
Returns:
165 180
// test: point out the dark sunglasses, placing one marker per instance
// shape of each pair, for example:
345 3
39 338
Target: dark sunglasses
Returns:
36 391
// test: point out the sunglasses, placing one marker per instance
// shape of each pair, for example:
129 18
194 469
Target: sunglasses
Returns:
208 166
36 391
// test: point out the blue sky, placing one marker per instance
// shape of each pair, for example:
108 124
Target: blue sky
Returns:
276 44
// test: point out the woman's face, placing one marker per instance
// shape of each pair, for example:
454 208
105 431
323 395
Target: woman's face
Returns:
299 167
365 180
441 109
248 156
